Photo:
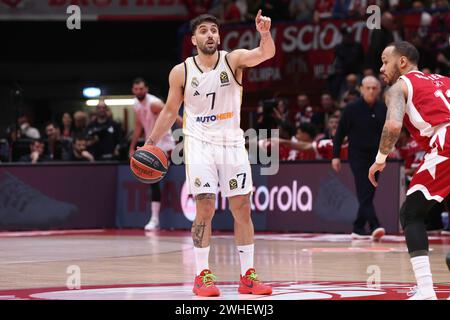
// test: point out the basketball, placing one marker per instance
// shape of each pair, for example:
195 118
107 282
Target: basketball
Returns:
149 164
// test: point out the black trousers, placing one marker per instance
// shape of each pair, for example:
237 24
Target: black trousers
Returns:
365 192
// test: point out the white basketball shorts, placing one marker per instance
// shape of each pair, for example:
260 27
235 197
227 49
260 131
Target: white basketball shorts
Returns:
211 167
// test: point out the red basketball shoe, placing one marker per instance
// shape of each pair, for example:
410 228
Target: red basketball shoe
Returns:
204 285
250 284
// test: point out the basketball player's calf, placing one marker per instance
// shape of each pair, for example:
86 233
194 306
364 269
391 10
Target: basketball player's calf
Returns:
412 218
153 224
244 238
204 283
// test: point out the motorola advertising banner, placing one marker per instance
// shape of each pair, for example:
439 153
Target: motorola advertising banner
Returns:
301 197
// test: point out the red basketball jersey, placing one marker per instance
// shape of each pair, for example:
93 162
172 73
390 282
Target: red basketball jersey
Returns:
428 108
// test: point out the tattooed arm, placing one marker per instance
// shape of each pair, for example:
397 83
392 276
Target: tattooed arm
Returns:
396 104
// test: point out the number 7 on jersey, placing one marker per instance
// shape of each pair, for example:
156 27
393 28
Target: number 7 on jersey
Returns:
213 98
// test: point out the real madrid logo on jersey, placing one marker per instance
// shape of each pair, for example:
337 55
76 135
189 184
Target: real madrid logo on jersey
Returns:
194 82
224 78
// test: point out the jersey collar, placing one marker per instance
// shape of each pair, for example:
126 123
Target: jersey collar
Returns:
217 63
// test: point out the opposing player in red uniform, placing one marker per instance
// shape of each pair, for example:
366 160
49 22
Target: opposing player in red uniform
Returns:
422 103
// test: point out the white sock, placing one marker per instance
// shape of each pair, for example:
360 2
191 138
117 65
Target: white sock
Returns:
422 271
156 206
201 259
246 257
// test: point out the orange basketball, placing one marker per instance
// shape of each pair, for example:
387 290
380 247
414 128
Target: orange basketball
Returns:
149 164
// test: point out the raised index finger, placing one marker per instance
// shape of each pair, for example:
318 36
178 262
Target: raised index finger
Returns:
258 15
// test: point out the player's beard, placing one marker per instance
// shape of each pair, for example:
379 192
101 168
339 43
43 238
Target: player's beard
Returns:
395 76
140 98
207 51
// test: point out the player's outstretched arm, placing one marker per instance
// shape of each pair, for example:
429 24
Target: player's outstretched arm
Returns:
243 58
396 104
296 145
169 113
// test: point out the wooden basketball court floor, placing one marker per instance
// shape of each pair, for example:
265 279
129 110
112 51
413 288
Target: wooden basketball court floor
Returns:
133 264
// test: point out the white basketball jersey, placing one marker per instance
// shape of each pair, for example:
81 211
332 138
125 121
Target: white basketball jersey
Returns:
147 118
212 103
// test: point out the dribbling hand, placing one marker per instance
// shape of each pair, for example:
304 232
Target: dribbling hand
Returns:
262 23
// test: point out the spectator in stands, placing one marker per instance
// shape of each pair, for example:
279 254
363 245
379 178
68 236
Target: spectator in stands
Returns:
286 132
304 117
425 19
26 130
227 11
351 82
427 54
440 22
243 8
327 107
281 111
330 131
54 146
348 97
292 148
67 127
322 147
305 133
302 102
301 9
80 122
349 59
252 9
338 113
79 150
323 9
259 116
36 154
379 39
349 54
105 134
362 121
351 86
358 9
109 113
443 60
300 110
12 134
267 118
92 115
197 7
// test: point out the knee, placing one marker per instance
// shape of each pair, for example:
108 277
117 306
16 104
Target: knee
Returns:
242 211
410 215
205 209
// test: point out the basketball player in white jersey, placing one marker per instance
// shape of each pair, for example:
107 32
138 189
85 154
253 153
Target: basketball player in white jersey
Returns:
210 86
147 108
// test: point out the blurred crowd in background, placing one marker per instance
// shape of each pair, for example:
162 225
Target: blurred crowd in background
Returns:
96 136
